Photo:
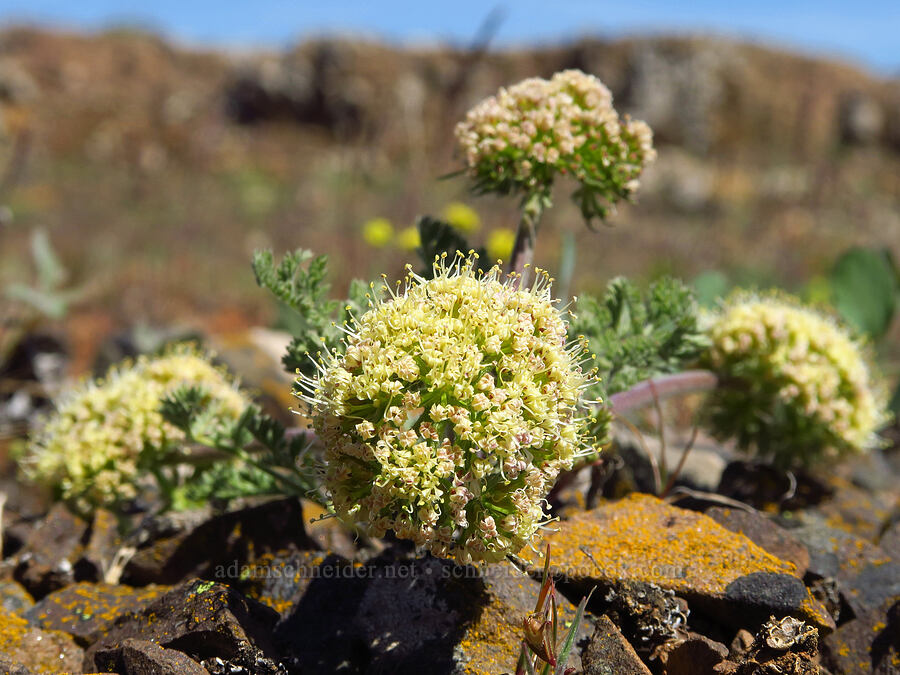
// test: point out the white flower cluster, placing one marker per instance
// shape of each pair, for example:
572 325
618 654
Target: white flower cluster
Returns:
105 433
796 385
450 413
521 138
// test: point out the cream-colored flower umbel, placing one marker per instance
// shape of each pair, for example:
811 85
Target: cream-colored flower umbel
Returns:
520 139
105 434
796 386
452 409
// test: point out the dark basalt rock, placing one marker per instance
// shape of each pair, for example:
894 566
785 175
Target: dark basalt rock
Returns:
764 533
278 581
695 654
47 561
14 597
868 643
411 616
204 620
234 538
721 574
609 653
890 541
86 611
8 667
864 574
139 657
43 651
103 544
765 592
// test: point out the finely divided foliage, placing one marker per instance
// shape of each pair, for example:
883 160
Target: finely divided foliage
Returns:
450 412
797 387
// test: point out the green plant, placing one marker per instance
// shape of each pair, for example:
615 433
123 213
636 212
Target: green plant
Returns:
865 289
450 411
795 386
268 459
299 283
48 296
635 336
107 436
520 140
543 651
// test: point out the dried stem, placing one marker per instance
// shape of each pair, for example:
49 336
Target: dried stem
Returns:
670 483
654 465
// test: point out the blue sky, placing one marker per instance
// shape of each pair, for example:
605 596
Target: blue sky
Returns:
865 32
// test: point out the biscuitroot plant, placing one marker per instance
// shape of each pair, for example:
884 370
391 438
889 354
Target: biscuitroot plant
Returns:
520 140
139 430
450 411
447 407
106 436
795 386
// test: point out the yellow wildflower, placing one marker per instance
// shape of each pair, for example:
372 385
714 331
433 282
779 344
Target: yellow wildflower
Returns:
378 232
461 216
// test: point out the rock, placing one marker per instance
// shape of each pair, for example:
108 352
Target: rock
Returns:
87 610
278 581
868 643
36 649
415 616
203 619
139 657
648 615
328 534
47 561
103 545
870 471
16 84
14 598
741 644
890 541
8 667
234 538
682 180
644 540
766 488
857 511
695 654
702 470
865 575
677 90
764 533
609 653
861 119
318 88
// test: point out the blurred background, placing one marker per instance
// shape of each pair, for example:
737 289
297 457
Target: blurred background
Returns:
145 152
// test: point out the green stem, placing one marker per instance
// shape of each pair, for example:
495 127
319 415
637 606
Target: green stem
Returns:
533 206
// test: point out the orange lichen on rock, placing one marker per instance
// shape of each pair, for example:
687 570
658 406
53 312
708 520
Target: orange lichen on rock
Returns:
38 650
491 642
643 539
640 538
